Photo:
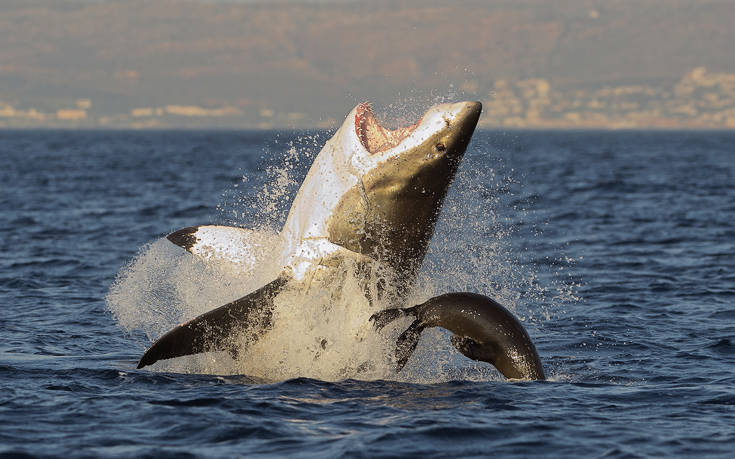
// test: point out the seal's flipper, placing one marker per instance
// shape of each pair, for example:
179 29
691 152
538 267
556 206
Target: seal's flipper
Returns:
236 245
212 331
407 342
383 318
473 350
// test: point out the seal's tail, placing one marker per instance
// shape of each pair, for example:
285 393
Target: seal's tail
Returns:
408 340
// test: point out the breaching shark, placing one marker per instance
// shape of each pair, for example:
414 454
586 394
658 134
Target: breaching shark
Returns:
371 198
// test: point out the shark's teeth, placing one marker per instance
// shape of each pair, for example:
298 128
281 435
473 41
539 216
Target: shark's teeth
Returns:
374 137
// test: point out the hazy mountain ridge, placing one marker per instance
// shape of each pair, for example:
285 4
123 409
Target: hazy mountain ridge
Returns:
305 64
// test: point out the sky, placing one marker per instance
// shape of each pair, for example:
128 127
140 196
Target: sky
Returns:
230 63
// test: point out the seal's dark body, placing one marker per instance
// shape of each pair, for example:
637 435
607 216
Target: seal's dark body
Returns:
483 330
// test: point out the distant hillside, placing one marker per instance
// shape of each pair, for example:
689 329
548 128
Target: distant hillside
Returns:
194 63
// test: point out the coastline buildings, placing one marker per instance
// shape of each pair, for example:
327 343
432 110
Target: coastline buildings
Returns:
700 99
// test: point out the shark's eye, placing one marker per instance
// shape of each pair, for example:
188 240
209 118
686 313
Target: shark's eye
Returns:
440 147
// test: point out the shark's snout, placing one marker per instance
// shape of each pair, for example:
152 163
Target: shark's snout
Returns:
461 119
469 115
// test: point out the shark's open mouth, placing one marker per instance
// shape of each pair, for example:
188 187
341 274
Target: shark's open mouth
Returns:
374 137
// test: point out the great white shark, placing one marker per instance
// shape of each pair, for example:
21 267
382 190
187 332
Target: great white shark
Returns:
371 199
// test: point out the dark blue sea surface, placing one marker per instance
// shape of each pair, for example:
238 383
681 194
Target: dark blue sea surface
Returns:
621 252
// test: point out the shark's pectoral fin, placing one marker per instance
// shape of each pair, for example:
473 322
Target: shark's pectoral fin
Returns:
185 237
237 245
407 342
214 330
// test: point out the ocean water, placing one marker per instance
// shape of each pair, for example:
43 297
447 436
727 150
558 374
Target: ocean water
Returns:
614 248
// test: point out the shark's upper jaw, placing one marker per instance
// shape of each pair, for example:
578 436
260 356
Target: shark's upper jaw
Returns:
373 136
372 144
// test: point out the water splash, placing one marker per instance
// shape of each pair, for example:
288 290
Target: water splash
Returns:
324 333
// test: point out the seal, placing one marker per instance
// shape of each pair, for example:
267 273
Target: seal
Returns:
370 201
482 330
